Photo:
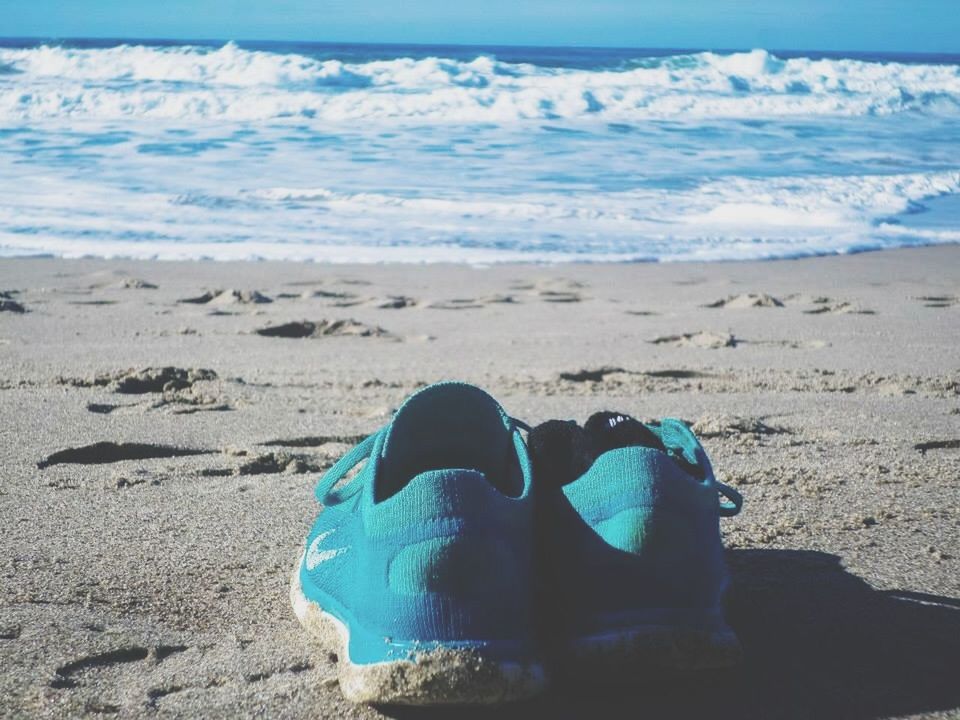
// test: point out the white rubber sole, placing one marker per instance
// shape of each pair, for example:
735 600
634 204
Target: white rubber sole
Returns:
433 677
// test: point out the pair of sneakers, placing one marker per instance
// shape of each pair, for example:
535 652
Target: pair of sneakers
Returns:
461 559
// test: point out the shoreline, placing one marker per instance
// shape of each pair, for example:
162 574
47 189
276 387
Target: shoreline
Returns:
45 257
568 261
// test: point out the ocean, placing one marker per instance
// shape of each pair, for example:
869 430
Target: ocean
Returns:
370 153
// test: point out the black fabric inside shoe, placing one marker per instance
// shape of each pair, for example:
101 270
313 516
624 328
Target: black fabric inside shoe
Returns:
450 425
611 430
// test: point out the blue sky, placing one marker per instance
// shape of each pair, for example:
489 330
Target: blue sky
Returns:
907 25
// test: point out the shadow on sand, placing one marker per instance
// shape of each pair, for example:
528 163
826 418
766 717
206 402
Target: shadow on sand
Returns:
818 643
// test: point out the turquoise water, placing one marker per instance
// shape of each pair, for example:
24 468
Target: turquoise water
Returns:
374 153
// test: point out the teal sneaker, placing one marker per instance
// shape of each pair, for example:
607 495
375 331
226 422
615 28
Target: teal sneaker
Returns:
631 546
417 573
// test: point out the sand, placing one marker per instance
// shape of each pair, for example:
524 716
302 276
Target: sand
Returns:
163 425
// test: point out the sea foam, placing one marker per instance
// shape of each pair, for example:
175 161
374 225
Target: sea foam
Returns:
230 83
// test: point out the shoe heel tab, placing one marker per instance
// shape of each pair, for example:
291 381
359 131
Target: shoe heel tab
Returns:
447 480
435 494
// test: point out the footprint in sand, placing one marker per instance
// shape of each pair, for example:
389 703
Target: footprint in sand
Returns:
554 290
110 452
314 441
163 379
937 445
396 302
559 290
471 303
610 373
10 631
135 284
839 308
746 300
711 425
703 339
228 297
558 296
792 344
181 391
938 301
135 678
455 304
9 305
679 374
591 374
341 299
337 298
269 463
831 306
72 674
498 299
146 380
322 328
107 408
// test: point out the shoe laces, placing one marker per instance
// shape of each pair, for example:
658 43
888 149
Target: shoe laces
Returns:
731 508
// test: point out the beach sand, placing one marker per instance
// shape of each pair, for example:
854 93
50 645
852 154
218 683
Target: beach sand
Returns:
160 442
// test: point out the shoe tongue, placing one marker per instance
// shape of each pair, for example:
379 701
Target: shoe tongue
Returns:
561 450
612 430
447 425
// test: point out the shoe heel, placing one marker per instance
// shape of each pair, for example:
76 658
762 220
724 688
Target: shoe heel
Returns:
427 676
441 677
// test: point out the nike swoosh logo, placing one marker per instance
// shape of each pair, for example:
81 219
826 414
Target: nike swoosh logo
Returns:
315 556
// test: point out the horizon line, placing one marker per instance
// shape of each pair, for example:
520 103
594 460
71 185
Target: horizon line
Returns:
367 43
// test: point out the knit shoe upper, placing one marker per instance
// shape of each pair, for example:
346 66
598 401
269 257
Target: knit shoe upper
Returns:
430 544
630 536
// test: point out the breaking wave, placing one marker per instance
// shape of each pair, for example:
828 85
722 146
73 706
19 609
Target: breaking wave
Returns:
232 83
